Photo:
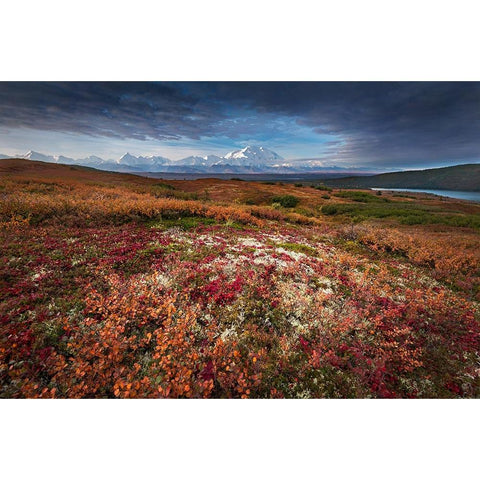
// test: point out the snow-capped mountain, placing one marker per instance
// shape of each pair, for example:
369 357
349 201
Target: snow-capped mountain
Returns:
252 156
41 157
32 155
251 159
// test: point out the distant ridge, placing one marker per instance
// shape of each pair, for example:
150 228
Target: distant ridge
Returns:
459 177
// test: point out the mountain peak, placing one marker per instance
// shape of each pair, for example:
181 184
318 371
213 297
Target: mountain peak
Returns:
253 154
127 157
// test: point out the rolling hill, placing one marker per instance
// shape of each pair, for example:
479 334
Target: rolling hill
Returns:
459 177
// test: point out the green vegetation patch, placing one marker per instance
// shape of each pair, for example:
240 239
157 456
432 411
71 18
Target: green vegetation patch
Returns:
362 197
300 248
286 201
406 213
163 186
322 187
186 223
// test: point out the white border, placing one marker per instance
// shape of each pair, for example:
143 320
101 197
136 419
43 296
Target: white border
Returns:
239 439
248 40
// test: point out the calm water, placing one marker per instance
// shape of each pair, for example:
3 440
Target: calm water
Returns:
472 196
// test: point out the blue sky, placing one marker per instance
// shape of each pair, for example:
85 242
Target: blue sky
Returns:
350 124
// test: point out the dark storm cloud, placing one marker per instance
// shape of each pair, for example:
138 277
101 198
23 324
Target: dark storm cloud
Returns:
379 122
113 109
384 123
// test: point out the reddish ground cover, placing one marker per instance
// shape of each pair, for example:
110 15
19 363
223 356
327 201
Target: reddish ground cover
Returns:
122 292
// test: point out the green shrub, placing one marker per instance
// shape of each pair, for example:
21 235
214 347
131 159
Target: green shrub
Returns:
286 201
329 210
322 187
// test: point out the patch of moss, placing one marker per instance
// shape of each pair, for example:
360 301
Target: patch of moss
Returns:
300 248
186 223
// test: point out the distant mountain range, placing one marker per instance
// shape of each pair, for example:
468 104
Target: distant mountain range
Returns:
251 159
459 177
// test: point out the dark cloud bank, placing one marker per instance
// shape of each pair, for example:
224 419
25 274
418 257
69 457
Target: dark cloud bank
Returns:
407 123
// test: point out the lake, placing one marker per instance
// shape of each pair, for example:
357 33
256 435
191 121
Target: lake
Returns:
472 196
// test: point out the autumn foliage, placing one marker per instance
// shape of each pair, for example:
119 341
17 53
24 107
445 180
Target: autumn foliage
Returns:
115 291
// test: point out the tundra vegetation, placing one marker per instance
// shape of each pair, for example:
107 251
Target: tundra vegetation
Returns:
121 286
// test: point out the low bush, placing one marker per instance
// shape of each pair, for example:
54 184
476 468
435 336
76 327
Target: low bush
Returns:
286 201
322 188
329 210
